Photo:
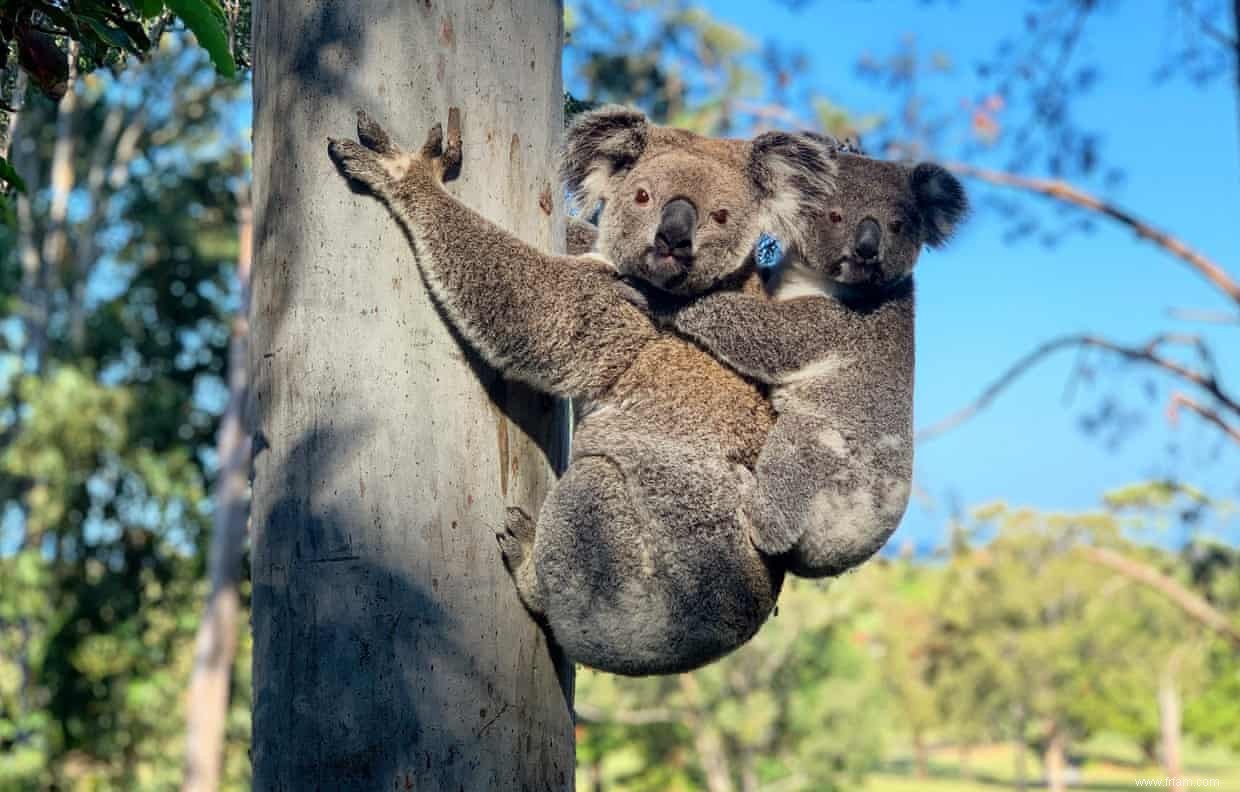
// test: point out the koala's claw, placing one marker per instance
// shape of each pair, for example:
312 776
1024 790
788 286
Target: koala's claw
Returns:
433 147
516 547
447 158
516 538
357 162
451 162
373 136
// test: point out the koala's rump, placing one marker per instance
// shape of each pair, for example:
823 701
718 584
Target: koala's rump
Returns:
649 567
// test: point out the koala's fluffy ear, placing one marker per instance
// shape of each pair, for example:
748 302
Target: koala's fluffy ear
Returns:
598 145
940 200
795 176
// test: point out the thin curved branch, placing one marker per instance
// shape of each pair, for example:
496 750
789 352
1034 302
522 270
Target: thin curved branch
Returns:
1207 317
1179 400
1147 354
1066 193
1187 601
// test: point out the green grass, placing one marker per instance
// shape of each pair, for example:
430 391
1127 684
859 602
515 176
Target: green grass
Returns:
1103 765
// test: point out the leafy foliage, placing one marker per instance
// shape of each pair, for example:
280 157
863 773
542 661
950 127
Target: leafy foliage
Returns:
109 429
104 31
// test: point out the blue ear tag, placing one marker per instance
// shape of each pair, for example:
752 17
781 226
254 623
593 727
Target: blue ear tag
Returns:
768 251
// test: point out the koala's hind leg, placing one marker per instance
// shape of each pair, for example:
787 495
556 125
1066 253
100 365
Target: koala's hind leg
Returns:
862 491
789 475
645 566
516 546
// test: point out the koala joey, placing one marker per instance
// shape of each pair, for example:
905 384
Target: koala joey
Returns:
640 561
835 340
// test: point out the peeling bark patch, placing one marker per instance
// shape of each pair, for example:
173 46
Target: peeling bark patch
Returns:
545 201
514 149
441 67
446 35
361 487
501 435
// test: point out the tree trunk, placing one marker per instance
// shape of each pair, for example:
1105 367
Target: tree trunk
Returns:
390 648
749 771
1018 749
708 742
1169 721
1056 761
921 759
215 648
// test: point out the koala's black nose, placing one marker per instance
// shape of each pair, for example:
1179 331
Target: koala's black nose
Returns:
676 227
868 236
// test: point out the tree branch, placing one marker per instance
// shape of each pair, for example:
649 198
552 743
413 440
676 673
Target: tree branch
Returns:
1180 400
1189 602
588 713
1235 23
1066 193
1208 28
1208 317
1147 354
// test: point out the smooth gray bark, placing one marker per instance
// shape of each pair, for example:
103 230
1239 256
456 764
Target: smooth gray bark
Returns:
390 649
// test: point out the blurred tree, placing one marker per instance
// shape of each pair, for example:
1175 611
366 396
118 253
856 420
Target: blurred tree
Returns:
120 270
798 709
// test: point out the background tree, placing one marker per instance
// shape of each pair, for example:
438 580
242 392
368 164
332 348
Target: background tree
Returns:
113 376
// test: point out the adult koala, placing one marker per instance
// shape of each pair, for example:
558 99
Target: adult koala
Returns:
641 561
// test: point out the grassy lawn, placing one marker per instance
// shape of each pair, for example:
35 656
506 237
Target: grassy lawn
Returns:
1102 764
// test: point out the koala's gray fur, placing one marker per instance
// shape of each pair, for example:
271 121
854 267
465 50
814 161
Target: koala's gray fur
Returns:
836 342
640 561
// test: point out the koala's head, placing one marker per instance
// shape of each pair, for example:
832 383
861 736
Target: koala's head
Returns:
681 211
872 230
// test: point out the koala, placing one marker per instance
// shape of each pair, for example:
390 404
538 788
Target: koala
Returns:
834 338
640 560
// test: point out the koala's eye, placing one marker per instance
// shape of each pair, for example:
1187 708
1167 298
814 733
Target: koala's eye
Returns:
720 216
836 217
643 197
896 226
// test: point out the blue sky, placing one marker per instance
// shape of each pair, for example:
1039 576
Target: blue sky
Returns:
983 302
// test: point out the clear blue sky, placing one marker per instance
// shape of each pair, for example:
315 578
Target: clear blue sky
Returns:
984 302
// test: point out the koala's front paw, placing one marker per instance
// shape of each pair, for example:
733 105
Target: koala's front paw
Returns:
443 162
377 163
632 294
516 547
360 165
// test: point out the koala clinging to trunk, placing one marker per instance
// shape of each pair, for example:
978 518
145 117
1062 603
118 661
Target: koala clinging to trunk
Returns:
835 340
640 561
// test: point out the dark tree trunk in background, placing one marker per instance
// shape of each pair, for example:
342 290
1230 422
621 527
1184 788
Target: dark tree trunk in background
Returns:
390 649
215 646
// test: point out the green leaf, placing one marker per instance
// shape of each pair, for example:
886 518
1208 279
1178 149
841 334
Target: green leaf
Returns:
111 36
148 9
9 174
135 31
206 21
